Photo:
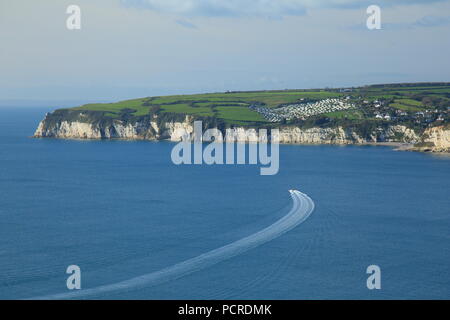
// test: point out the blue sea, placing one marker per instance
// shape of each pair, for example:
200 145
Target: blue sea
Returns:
121 209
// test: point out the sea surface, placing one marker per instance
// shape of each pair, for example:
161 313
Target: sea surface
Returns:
121 209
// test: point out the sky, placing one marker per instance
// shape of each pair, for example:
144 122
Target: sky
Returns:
138 48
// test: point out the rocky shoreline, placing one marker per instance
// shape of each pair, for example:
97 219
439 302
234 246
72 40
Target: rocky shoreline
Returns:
435 139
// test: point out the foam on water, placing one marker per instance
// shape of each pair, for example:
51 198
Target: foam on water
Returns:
302 208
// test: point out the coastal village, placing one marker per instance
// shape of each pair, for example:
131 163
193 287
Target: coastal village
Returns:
303 110
381 109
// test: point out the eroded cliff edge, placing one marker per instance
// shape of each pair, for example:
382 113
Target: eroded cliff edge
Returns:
75 124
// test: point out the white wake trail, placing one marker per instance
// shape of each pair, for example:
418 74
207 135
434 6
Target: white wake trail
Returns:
302 208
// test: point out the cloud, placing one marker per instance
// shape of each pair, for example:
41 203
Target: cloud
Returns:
186 24
256 8
424 22
222 8
432 21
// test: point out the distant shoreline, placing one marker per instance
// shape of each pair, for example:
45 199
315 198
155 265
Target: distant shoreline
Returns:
413 117
396 146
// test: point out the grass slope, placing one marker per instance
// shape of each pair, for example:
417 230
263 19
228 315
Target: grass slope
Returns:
232 107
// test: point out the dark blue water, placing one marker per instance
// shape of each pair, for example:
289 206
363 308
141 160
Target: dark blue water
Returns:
122 209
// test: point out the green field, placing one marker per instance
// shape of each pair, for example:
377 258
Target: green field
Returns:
407 105
347 114
232 107
410 102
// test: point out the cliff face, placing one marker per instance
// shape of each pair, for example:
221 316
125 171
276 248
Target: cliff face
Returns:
146 129
341 135
436 139
151 128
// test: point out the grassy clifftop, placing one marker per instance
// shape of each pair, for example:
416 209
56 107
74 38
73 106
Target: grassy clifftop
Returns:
417 105
233 107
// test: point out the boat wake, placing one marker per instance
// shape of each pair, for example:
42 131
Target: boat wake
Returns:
302 208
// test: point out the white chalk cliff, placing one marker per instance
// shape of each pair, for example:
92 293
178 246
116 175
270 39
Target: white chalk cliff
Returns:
435 139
